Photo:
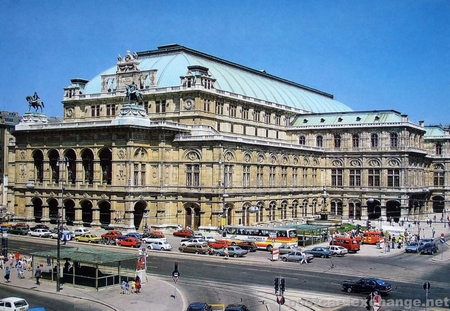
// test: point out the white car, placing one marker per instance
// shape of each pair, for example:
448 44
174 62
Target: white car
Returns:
42 233
210 239
153 240
193 241
338 250
80 231
13 304
160 245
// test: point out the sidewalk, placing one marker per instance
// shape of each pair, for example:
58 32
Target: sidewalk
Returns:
155 295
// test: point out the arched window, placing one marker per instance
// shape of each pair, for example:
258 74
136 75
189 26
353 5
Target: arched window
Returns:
355 141
337 141
319 141
374 140
302 140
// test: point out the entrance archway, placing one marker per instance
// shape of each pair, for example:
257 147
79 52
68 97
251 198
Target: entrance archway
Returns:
86 213
139 210
373 209
37 209
438 204
69 210
53 209
105 213
393 210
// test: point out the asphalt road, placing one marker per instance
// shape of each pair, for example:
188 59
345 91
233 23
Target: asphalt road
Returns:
250 280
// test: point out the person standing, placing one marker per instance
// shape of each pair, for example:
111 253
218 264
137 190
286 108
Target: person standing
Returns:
227 254
7 274
138 284
38 275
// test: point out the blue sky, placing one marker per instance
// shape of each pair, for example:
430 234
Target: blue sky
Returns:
370 55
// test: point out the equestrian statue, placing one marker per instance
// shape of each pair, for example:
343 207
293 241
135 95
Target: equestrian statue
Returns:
132 93
35 102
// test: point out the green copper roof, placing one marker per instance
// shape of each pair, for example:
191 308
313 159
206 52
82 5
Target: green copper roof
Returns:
349 118
171 63
435 131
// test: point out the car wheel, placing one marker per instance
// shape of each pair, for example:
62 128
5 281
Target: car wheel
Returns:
349 290
284 259
196 252
322 256
181 250
235 255
269 248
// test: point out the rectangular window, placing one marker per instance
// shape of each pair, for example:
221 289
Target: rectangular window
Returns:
233 109
267 118
111 110
256 115
192 175
95 110
246 176
304 176
336 177
355 178
160 106
277 120
219 108
228 176
394 178
259 176
207 105
143 175
439 179
294 176
374 178
283 176
272 176
245 113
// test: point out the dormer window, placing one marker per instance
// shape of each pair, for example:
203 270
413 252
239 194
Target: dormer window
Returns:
377 118
358 119
340 119
322 120
305 120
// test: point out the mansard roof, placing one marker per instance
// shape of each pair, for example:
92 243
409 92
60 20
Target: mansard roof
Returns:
352 118
172 61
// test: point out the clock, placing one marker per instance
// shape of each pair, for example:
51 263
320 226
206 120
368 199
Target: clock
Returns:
69 112
188 104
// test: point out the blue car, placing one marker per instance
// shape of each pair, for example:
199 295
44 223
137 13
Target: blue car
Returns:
413 247
199 306
317 251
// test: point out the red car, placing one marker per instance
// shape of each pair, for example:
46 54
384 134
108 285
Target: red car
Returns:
184 233
130 242
112 234
219 244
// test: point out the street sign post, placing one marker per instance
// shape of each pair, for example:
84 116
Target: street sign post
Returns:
442 240
376 306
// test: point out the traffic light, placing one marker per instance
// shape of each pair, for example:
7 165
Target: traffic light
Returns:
368 225
276 283
282 285
358 228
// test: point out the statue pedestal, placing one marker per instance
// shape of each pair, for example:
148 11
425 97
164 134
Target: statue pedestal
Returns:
32 118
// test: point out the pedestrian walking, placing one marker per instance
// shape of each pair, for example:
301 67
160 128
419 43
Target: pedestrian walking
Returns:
433 232
17 257
38 275
138 284
7 274
303 258
227 254
19 269
123 287
127 287
49 262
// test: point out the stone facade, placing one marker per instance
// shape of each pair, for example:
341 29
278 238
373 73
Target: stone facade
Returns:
199 156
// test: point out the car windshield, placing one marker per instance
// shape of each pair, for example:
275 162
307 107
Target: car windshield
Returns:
380 282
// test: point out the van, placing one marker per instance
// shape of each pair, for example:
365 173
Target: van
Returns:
350 244
372 237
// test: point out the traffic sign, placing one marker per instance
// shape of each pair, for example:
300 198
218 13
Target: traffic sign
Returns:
426 286
442 238
376 303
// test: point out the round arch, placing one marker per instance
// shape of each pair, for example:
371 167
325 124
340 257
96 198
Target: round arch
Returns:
139 210
393 210
86 212
37 209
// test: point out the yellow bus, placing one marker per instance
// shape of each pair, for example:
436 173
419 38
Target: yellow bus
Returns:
264 237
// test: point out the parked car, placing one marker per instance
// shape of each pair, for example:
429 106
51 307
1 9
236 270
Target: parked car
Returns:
131 235
199 306
152 240
210 239
194 248
129 242
193 241
112 234
13 304
40 226
338 250
219 243
413 247
63 233
318 251
80 231
89 238
42 233
233 251
247 245
185 233
21 225
367 285
160 245
429 248
286 248
296 256
236 307
18 230
154 234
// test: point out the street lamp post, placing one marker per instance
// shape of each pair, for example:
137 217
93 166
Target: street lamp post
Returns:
145 222
60 222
